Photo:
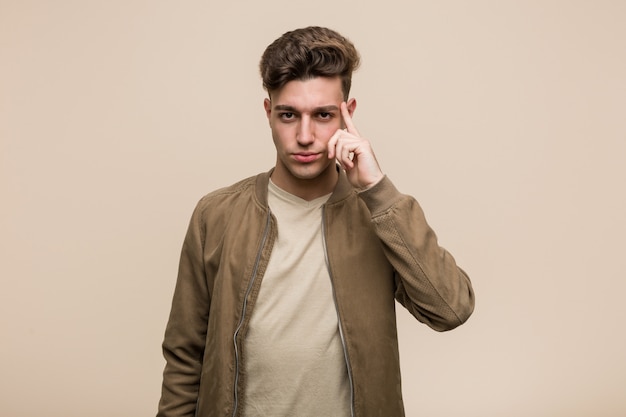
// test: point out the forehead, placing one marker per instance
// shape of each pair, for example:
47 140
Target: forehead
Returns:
309 94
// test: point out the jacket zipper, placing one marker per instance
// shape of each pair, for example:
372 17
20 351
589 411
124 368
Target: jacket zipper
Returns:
341 335
243 310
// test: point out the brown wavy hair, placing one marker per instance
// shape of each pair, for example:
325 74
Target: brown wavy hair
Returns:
307 53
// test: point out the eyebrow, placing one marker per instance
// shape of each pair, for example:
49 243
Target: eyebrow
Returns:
321 109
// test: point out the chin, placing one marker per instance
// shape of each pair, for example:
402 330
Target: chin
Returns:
311 171
307 174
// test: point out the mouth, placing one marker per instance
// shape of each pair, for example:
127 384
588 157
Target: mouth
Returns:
306 157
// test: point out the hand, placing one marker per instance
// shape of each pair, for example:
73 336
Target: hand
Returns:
354 154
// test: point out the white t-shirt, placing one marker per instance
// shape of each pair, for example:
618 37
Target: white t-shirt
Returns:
294 360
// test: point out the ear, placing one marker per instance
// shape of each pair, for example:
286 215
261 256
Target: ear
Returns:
351 104
267 104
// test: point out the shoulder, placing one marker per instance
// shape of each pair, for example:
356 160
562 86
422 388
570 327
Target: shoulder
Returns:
233 189
226 198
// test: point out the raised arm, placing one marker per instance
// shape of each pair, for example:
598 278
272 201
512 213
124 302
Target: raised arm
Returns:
429 283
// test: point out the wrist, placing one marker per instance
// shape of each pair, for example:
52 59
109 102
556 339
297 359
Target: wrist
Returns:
372 183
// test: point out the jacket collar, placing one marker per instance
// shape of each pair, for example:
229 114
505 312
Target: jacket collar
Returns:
343 188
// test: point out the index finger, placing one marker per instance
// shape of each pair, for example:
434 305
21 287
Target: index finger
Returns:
347 119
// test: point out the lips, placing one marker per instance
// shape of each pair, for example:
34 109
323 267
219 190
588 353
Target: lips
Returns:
306 157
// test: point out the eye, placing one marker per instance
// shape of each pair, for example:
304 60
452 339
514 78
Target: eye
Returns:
325 115
286 115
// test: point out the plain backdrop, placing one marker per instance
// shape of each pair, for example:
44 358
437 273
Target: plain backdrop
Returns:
505 119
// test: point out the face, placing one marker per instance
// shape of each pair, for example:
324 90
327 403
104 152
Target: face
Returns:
303 116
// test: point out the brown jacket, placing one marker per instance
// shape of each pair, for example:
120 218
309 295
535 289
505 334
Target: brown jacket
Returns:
379 249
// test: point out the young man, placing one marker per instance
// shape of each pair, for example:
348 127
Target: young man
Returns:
285 298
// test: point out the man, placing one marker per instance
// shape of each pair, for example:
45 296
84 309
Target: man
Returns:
285 299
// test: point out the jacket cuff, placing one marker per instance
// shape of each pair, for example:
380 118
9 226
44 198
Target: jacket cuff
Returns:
381 196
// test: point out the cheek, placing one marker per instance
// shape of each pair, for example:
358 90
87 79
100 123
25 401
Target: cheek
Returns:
281 135
325 132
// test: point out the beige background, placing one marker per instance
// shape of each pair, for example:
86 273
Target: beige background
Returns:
505 119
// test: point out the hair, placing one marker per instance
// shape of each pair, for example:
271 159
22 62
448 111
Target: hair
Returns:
307 53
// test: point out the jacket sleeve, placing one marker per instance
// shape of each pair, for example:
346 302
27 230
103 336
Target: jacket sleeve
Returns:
428 281
185 334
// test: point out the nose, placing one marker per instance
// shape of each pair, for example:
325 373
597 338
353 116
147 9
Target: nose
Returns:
305 134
